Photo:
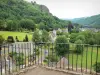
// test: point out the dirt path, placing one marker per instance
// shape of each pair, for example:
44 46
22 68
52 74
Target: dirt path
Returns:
43 71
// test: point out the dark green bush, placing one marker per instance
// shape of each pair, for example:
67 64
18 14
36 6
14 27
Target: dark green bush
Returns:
61 45
19 60
1 39
79 47
10 39
37 51
91 41
12 54
17 40
45 60
59 33
96 67
52 58
18 57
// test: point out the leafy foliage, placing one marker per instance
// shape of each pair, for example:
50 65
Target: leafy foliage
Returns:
27 24
45 36
91 41
36 36
17 40
61 45
1 39
70 27
18 57
52 58
26 39
16 15
10 39
97 38
73 37
81 37
96 67
79 46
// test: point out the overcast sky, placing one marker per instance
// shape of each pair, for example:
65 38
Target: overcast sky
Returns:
71 8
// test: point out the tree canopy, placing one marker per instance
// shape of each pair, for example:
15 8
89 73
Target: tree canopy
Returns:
16 15
61 45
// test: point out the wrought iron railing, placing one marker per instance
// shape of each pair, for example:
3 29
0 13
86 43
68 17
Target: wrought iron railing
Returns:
17 56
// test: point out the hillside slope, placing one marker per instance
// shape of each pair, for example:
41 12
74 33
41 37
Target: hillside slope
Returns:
92 21
16 10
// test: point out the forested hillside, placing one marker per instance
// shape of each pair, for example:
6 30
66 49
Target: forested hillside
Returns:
92 21
18 15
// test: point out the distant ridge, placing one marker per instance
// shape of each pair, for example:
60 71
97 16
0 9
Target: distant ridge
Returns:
92 20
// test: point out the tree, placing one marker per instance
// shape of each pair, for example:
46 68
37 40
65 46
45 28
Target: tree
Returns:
36 36
10 39
87 35
60 33
41 26
79 46
96 67
76 27
28 15
1 41
81 37
12 25
97 38
17 39
61 45
73 37
91 41
27 24
2 25
19 57
45 36
26 38
70 27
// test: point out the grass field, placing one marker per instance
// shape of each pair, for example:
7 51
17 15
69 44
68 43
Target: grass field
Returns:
87 60
20 35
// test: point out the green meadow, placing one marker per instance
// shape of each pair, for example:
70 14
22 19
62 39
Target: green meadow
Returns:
87 59
20 35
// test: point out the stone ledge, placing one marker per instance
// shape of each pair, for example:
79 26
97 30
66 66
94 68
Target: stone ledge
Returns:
21 72
67 71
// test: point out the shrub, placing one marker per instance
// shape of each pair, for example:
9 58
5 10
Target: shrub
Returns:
59 33
17 39
18 57
1 39
61 45
96 67
91 41
81 37
52 58
73 37
10 39
45 60
26 38
12 54
79 46
37 51
19 60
